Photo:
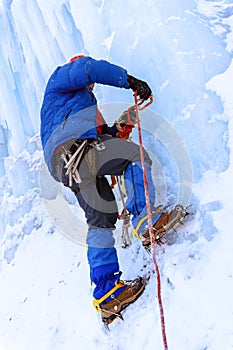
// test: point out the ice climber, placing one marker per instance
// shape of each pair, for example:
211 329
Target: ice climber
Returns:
80 149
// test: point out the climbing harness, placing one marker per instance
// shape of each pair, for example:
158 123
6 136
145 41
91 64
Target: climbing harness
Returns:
73 153
71 164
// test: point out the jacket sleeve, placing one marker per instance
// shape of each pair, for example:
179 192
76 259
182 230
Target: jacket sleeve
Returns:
85 71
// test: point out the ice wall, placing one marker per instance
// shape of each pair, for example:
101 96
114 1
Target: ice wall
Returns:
174 46
35 38
170 45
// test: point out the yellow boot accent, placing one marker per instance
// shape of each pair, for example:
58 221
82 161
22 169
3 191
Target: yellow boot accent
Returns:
135 230
97 302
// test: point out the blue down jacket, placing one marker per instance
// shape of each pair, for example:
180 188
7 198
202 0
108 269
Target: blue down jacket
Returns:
69 106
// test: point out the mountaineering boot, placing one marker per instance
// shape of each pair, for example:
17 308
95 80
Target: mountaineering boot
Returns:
168 221
111 306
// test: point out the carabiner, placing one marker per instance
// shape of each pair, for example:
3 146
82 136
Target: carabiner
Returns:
139 102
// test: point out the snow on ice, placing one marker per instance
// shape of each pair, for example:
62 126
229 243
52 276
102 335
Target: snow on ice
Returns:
184 50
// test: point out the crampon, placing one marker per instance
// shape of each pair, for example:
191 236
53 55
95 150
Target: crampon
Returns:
167 222
112 310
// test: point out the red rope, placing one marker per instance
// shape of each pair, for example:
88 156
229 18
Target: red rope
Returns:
152 238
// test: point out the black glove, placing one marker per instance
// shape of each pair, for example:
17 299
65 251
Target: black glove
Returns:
142 88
